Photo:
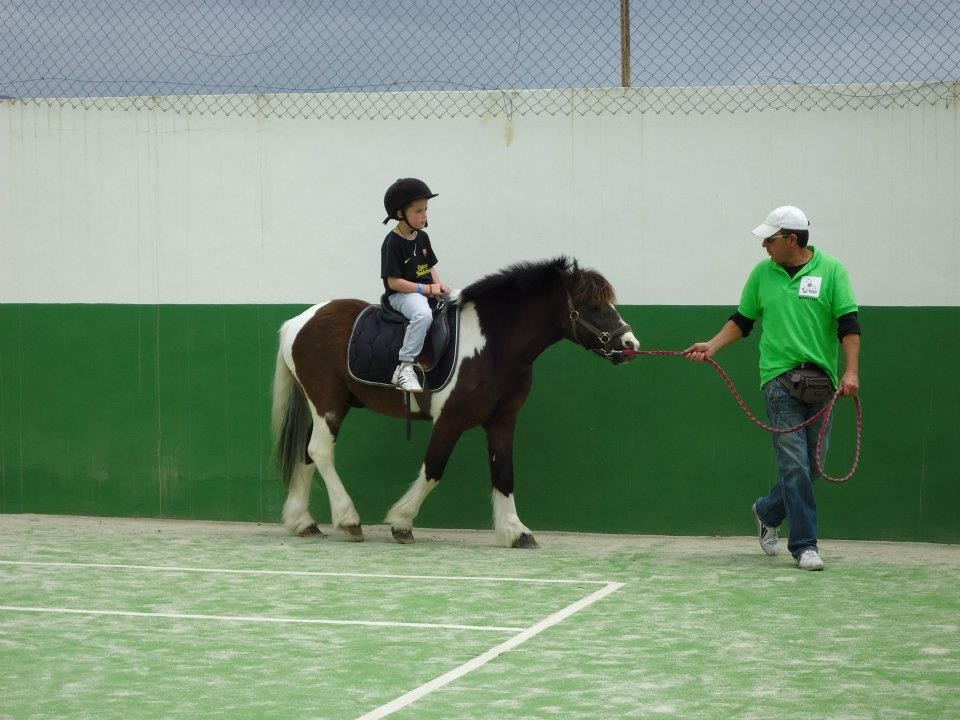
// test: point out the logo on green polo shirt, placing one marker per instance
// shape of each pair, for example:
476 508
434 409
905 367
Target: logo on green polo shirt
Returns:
810 286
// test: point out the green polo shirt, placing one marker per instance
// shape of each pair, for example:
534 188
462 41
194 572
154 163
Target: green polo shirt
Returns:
799 313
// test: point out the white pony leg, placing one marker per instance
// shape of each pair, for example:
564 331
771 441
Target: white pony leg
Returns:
343 514
506 523
403 512
296 510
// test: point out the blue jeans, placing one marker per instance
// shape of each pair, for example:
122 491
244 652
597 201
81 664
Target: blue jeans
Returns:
417 310
792 496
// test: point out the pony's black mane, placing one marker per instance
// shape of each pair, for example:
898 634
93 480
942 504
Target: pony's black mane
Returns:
536 278
525 278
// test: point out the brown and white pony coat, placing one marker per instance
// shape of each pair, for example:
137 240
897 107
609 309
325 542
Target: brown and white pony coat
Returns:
508 319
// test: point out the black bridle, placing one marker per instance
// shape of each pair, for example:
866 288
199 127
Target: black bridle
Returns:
604 337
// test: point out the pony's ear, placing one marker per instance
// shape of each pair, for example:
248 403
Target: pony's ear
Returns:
569 270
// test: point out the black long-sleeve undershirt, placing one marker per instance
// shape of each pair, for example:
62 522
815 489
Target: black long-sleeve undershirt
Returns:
848 324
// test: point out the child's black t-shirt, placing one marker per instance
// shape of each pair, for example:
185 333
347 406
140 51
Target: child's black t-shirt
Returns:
408 259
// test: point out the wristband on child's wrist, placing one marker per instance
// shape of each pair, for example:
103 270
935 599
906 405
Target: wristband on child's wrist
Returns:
420 288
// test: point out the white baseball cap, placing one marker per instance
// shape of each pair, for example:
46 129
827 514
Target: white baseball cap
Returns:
785 217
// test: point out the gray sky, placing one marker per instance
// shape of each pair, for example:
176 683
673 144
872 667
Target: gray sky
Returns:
138 47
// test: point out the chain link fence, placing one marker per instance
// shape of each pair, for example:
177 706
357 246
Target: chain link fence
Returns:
448 58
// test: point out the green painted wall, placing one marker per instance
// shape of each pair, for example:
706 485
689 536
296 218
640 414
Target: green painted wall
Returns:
163 411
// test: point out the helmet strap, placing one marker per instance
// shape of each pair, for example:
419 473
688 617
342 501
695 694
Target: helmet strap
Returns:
403 219
403 222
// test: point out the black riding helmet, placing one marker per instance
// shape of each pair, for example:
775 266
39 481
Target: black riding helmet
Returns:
403 192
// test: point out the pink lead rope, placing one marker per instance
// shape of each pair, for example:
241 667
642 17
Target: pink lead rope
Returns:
825 413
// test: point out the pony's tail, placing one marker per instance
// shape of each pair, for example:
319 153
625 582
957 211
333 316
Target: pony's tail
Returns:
290 418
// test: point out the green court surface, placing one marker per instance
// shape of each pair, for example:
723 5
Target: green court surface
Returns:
121 618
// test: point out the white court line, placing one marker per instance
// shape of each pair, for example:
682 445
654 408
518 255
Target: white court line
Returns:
304 573
257 619
405 699
481 660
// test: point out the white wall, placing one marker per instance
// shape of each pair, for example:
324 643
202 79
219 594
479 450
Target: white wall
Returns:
156 207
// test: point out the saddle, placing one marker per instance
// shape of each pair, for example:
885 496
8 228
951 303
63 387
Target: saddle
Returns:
378 334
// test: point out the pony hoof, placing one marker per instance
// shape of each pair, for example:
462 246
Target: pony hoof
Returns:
354 532
311 531
525 542
402 536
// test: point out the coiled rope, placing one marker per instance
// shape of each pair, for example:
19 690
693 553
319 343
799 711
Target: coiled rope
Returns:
825 413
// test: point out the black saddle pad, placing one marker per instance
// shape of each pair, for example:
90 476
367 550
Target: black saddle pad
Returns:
375 345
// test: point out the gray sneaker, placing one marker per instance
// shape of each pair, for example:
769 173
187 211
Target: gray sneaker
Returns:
405 378
769 536
809 559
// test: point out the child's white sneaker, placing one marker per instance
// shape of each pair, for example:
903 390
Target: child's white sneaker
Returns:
405 378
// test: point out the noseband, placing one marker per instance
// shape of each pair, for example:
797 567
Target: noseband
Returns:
603 336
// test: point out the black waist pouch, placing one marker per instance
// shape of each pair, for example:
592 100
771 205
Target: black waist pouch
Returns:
807 383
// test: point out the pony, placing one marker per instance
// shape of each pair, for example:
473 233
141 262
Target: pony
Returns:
507 319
